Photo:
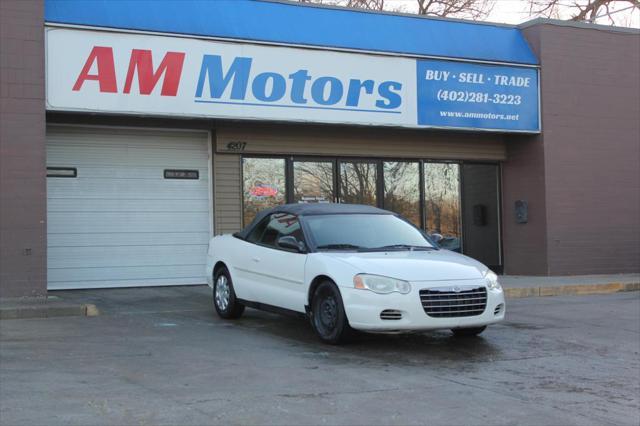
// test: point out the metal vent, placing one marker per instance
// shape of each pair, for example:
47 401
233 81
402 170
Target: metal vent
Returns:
447 302
498 309
390 314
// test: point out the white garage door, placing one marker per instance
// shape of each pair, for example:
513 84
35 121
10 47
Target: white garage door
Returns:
129 217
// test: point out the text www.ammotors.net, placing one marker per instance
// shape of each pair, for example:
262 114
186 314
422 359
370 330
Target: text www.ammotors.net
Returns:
483 115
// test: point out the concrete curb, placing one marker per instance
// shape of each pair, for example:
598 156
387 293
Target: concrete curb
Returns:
46 310
570 290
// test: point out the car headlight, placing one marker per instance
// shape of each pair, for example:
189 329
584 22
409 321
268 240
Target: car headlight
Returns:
492 281
380 284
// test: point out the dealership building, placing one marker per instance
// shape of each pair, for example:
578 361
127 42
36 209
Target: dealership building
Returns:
133 131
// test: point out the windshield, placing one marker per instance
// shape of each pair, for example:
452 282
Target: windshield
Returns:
364 232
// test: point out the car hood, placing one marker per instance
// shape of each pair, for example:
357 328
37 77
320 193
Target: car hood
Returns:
418 265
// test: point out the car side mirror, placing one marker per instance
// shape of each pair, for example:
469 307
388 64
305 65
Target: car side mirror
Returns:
291 243
437 237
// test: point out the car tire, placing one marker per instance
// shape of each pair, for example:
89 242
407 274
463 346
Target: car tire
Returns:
224 297
328 317
468 332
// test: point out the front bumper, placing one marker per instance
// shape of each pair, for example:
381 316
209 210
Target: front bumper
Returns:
363 309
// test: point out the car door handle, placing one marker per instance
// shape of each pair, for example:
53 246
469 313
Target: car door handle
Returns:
255 259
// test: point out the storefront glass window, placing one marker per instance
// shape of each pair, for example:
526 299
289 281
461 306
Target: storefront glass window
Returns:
313 182
263 185
358 182
402 189
442 203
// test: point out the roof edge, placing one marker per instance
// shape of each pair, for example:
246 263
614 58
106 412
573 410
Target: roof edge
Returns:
574 24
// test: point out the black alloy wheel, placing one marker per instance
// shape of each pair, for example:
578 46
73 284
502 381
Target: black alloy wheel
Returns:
328 317
224 297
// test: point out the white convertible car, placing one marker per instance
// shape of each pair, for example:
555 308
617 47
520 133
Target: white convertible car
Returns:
350 267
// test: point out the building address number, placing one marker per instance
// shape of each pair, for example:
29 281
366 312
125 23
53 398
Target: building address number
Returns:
237 146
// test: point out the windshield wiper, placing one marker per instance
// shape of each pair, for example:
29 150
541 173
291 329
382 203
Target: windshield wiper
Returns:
403 246
339 247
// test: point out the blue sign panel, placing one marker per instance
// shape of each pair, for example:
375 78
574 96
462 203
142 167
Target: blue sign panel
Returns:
474 96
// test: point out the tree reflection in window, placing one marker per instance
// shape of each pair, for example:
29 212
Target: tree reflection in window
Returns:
263 185
402 189
442 202
358 182
313 182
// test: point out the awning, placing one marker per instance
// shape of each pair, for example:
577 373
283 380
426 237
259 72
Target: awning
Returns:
297 24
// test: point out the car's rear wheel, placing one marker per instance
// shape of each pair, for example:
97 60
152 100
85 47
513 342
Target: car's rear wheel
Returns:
224 297
468 332
328 316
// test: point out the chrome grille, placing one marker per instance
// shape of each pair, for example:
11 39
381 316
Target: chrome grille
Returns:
390 314
447 302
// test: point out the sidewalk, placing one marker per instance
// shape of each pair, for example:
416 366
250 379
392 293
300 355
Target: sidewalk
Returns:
528 286
175 299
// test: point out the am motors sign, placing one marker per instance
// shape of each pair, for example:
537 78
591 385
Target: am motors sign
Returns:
169 76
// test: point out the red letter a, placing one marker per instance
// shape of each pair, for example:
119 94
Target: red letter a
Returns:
106 70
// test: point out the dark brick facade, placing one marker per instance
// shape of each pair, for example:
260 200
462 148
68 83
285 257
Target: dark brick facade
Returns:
581 177
22 149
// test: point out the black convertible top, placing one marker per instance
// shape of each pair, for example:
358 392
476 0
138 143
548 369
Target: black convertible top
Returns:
312 209
327 208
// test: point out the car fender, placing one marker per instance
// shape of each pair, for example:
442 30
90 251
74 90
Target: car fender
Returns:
338 271
228 250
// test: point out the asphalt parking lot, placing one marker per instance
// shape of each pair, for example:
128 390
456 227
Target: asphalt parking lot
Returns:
160 356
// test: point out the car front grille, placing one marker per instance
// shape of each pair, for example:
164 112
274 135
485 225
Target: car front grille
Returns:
448 302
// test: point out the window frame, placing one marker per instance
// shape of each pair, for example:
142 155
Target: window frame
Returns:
311 159
264 157
379 184
421 193
379 161
423 200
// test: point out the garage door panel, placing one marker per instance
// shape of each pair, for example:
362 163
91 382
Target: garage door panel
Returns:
78 222
135 172
172 281
123 273
126 188
120 222
115 205
114 257
99 156
115 239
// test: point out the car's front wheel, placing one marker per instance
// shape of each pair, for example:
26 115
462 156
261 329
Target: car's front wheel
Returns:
224 297
328 316
468 332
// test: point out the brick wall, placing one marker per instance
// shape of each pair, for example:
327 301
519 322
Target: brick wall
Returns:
582 175
591 91
22 149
